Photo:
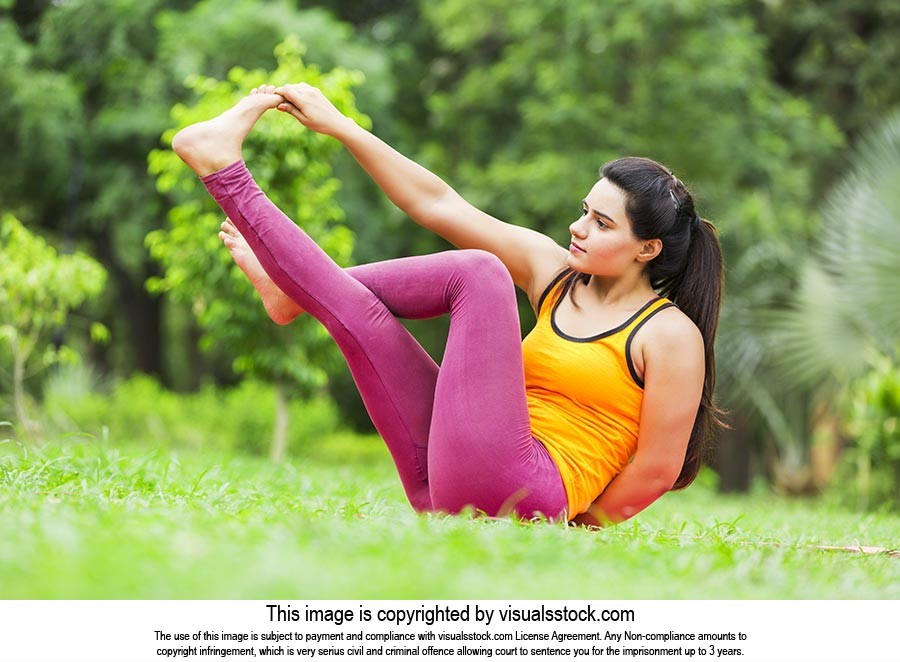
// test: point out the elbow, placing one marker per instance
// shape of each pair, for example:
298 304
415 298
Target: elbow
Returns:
659 477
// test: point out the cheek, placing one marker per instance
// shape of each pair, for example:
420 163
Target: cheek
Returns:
612 254
612 245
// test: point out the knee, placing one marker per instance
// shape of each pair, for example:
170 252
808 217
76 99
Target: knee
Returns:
484 268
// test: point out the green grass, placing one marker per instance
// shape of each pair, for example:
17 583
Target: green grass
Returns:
82 518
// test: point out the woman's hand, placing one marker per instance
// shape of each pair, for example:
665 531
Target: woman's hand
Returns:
589 520
312 109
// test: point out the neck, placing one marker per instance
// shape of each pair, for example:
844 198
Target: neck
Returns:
629 290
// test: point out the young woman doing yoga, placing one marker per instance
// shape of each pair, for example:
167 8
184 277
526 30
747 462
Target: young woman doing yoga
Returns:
603 408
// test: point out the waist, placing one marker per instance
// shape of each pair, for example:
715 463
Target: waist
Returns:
590 448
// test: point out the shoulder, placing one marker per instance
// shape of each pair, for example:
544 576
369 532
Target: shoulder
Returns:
670 338
669 326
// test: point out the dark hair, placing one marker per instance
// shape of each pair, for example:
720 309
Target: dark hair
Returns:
689 271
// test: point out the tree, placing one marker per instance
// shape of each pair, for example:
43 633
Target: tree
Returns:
38 289
292 165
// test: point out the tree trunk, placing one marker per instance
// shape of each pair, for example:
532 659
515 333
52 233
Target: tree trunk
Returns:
732 461
26 425
141 311
145 314
279 439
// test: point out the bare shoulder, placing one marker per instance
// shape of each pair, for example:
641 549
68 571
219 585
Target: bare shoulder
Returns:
671 328
672 337
669 343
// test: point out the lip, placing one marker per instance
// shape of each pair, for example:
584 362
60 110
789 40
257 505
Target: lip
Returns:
575 248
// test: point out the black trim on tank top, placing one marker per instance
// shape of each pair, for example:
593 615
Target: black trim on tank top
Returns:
634 376
558 277
623 325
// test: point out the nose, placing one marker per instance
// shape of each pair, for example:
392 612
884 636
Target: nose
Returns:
578 227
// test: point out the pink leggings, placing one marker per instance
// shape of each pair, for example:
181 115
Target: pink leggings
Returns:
459 434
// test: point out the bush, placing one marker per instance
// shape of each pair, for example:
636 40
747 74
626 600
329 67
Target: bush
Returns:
869 474
239 419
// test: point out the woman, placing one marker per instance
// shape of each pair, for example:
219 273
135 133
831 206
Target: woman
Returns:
613 401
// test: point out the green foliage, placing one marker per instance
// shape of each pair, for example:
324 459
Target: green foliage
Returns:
516 106
869 477
236 420
214 36
114 69
38 289
551 91
839 54
818 341
36 142
38 286
292 165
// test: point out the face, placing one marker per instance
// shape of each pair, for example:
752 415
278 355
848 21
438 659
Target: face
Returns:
602 242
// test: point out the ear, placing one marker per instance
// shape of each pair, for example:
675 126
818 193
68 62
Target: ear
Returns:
649 250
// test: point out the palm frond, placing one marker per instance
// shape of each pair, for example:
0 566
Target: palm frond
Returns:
847 299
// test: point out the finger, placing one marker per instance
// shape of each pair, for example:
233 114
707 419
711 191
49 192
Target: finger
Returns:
293 91
293 110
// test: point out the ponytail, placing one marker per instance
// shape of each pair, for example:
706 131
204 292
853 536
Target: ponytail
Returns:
698 293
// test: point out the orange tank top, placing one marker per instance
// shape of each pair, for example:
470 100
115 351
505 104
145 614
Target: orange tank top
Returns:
584 396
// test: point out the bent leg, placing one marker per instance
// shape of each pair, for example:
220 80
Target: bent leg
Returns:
481 450
395 376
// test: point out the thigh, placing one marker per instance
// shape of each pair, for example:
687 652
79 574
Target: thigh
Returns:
410 287
481 450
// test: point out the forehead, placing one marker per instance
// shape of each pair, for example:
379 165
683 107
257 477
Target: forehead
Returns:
608 198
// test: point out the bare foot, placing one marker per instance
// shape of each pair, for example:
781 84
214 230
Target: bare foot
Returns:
279 306
211 145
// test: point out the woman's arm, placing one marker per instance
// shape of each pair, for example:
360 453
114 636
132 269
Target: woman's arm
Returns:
531 257
629 493
673 358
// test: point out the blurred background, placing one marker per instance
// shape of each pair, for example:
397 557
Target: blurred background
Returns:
121 315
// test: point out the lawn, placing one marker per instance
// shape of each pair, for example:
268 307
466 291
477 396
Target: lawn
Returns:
86 518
